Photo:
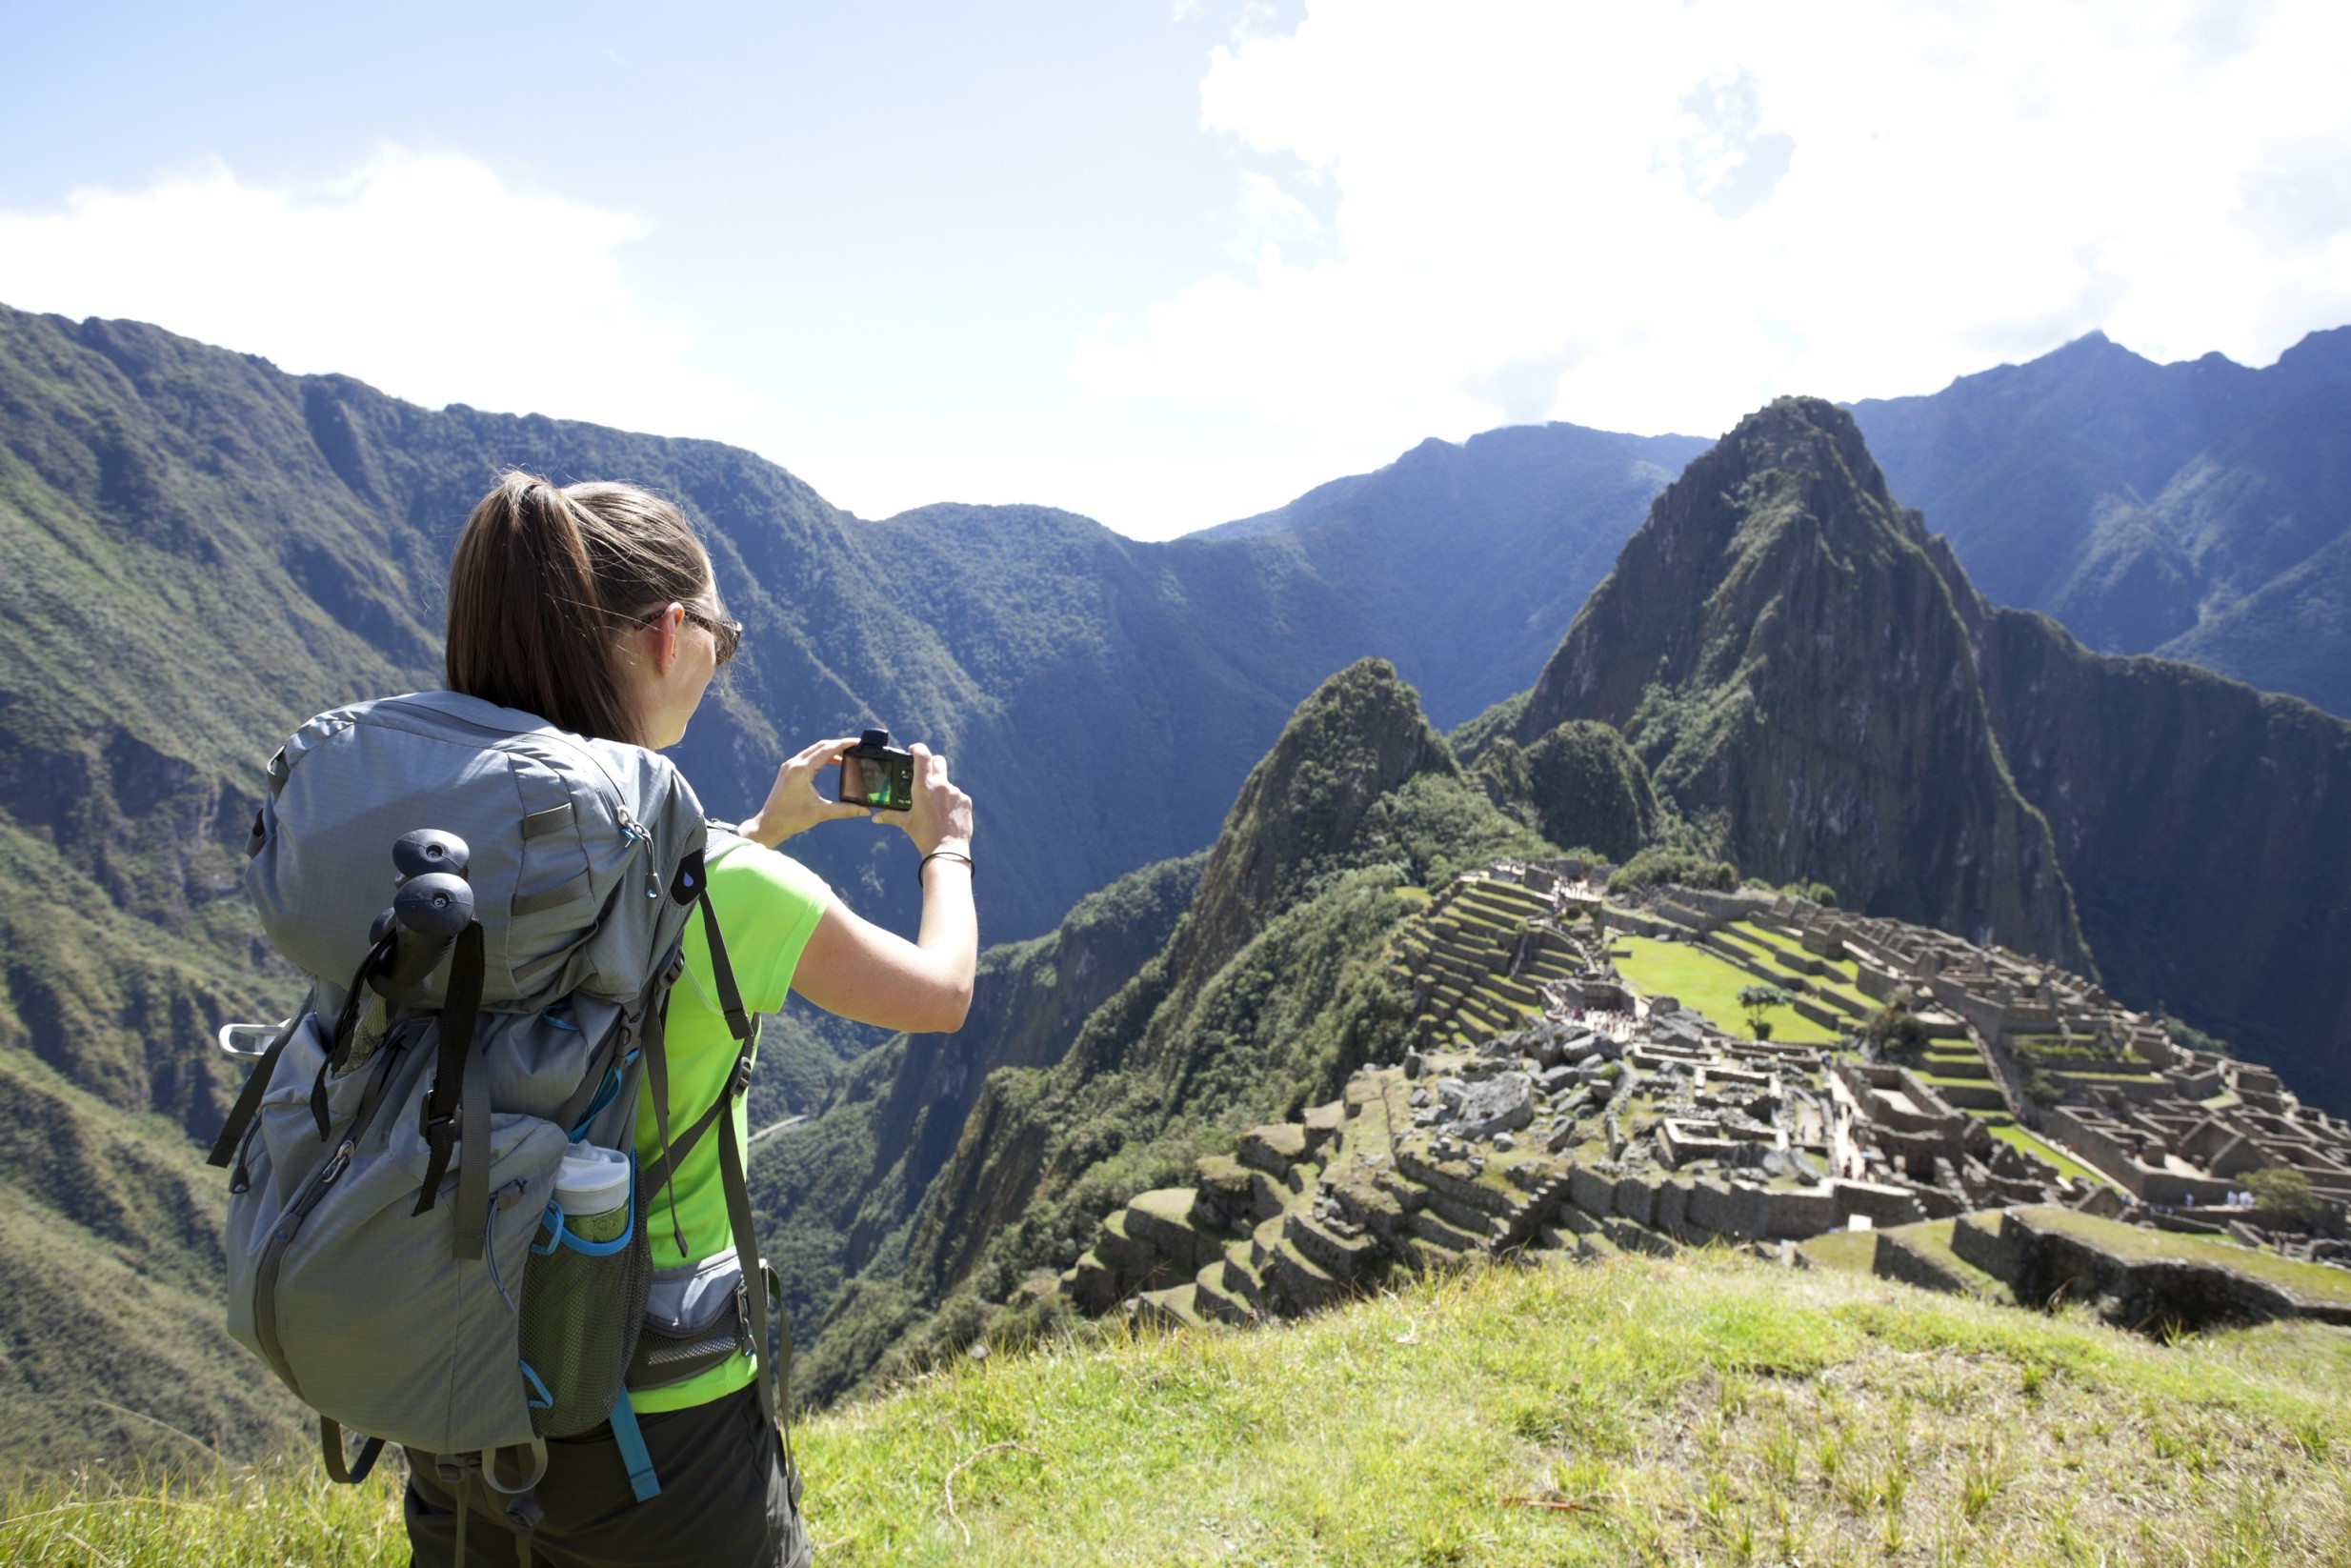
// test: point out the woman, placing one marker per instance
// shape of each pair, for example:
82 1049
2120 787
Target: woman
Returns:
593 607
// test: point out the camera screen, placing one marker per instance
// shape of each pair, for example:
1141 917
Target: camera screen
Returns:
877 779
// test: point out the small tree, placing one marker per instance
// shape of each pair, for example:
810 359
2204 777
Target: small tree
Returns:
2284 1198
1758 1001
1895 1027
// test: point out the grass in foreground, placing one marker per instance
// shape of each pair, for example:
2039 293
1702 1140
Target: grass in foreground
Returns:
1714 1410
1709 983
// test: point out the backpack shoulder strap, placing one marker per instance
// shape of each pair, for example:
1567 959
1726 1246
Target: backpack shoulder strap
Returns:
740 1220
745 1029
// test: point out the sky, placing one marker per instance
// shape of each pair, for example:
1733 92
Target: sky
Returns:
1171 263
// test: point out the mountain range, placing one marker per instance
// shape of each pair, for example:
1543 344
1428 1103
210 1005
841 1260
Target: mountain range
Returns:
1781 667
2199 510
203 551
1797 659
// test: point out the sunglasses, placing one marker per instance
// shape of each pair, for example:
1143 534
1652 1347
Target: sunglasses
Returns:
726 635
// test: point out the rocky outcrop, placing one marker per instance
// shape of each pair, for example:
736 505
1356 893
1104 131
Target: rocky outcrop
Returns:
1578 784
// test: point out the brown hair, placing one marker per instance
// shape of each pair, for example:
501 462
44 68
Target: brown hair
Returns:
544 584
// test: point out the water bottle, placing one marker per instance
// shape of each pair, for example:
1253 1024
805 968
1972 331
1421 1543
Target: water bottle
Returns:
592 1188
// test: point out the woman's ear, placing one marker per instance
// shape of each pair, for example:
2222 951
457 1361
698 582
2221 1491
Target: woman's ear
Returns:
658 639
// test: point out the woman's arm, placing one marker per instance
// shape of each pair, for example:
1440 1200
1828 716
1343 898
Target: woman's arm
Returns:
856 969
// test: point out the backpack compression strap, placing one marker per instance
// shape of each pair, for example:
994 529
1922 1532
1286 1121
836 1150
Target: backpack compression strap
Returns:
249 1099
330 1450
447 1106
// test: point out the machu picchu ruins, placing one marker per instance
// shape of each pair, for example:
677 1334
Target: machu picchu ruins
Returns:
1952 1115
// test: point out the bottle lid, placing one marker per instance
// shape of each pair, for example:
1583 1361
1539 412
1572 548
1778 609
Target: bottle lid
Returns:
592 1180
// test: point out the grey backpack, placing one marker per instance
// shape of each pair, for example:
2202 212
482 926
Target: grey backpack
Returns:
490 913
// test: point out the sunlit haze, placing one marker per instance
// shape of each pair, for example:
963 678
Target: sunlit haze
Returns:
1171 265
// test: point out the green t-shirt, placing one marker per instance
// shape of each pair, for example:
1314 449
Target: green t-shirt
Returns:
768 906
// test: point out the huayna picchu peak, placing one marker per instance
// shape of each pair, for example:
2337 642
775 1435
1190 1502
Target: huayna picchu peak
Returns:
1779 646
1805 670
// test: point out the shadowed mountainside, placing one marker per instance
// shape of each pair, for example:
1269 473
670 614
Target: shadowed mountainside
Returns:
2205 829
2199 510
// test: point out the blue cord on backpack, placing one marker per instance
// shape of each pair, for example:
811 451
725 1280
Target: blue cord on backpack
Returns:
606 1093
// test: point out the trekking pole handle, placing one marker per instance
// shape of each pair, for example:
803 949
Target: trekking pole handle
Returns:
429 913
427 851
437 905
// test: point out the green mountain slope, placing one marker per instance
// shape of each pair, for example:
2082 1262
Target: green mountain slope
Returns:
206 550
213 550
840 1190
2200 510
1271 989
112 1343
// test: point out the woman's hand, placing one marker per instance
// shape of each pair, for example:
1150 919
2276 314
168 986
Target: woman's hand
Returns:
942 816
862 972
794 805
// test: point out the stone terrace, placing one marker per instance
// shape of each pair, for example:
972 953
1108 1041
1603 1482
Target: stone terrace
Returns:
1548 1106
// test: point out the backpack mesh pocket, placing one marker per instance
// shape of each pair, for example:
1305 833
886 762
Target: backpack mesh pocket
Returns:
582 1305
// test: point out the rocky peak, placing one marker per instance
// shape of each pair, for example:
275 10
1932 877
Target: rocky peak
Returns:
1781 645
1357 737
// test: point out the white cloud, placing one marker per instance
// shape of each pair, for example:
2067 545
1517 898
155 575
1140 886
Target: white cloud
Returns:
426 275
1657 216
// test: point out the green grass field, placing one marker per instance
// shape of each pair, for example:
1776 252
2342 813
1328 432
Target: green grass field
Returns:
1708 1410
1709 982
1842 977
2041 1149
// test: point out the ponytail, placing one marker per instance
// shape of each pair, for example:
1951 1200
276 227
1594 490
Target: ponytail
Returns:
544 584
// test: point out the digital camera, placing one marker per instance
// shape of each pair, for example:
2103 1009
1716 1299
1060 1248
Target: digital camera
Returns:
875 774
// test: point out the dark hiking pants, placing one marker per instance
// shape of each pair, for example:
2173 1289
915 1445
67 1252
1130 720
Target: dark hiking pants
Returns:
726 1500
